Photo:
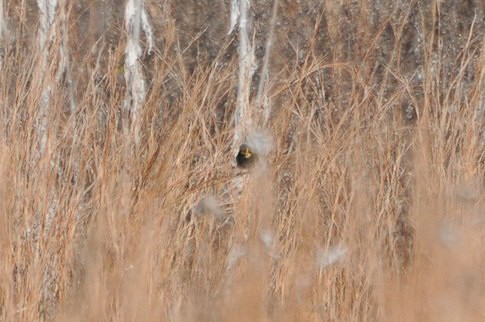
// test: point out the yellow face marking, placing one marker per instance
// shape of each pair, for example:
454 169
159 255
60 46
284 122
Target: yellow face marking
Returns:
247 153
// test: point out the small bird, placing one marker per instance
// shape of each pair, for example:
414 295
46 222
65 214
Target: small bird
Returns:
246 158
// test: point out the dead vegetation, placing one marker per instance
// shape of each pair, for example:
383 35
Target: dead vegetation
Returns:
370 208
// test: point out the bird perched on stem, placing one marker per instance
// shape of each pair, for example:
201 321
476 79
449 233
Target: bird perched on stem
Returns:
255 150
246 158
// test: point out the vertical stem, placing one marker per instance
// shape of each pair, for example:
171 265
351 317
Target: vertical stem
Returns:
242 118
135 82
262 86
3 31
47 11
135 18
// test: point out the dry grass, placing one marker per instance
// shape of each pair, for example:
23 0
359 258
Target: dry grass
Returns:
371 207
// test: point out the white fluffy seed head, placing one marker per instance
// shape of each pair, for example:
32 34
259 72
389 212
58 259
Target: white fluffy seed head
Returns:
331 256
261 142
209 205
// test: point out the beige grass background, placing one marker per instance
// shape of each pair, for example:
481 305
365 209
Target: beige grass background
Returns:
371 206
